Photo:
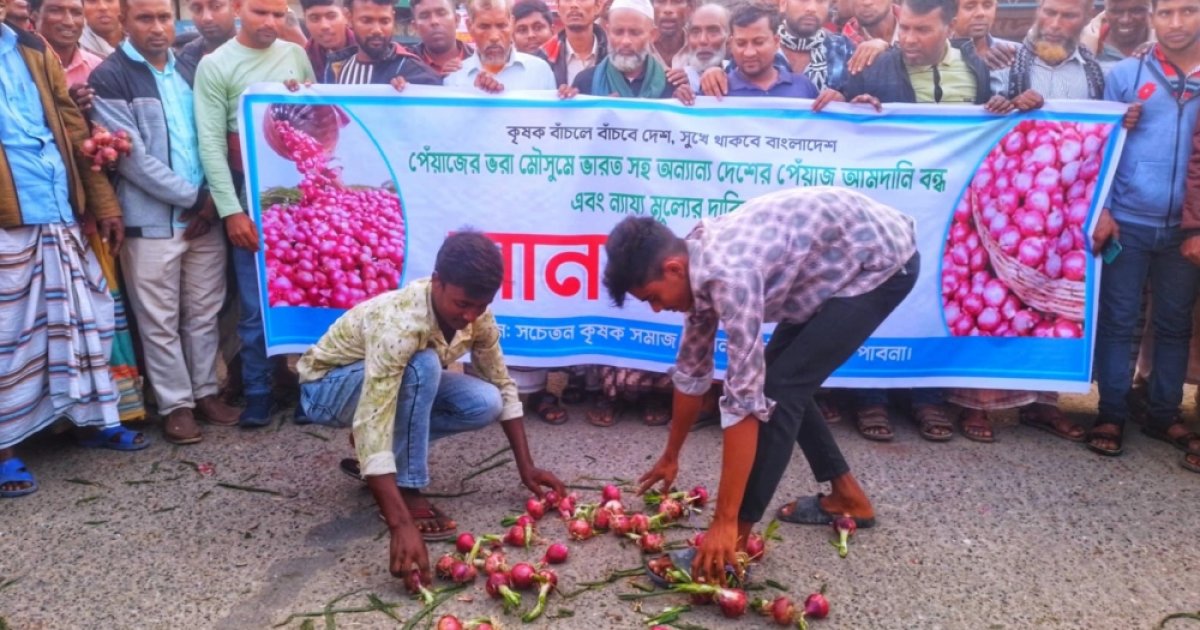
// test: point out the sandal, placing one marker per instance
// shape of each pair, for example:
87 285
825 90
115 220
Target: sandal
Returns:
349 466
1183 442
575 392
117 438
1109 432
13 470
1050 419
830 410
546 406
933 423
603 413
973 423
427 519
808 511
656 412
873 424
1191 461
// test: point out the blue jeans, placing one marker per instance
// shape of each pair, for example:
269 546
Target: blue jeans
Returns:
1153 253
256 367
432 404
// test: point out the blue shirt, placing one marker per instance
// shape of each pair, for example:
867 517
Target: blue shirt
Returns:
179 108
786 85
38 171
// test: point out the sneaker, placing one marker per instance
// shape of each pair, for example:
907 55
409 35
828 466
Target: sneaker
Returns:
257 413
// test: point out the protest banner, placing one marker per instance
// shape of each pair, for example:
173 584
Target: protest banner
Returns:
355 188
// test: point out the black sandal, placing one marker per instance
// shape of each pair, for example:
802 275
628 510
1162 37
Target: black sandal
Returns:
1112 434
1163 435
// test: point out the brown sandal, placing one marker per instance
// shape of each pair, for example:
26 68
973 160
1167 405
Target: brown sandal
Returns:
970 423
873 418
1105 431
1050 419
931 418
547 407
1191 461
603 413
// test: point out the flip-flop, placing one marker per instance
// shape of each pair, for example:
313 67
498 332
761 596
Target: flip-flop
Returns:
126 440
13 470
808 511
349 466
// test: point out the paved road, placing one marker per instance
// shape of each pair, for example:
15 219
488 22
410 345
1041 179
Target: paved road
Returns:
1030 532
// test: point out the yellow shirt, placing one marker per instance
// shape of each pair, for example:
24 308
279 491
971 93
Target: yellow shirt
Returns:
384 333
956 79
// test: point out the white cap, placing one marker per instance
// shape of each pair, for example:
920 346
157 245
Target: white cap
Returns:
641 6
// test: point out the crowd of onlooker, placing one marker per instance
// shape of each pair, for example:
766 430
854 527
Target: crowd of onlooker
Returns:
128 286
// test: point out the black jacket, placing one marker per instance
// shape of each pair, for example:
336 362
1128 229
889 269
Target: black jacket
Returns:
887 78
556 50
400 63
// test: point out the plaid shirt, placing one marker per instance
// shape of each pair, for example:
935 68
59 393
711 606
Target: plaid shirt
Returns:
779 258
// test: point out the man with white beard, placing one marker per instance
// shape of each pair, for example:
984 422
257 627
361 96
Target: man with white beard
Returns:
631 70
707 35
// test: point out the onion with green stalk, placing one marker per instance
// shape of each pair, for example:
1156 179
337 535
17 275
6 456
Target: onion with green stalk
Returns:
548 581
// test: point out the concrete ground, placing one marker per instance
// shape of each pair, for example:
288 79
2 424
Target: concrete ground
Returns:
1030 532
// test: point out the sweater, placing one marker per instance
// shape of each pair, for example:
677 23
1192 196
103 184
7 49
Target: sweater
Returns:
221 77
1149 185
887 78
127 98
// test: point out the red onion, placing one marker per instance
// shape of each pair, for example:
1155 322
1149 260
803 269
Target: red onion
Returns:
671 509
732 602
548 580
556 554
1032 252
611 493
601 520
756 547
783 611
816 606
465 543
535 508
495 563
845 527
525 520
652 542
1074 266
444 565
614 507
462 573
449 622
621 525
499 586
522 576
579 529
639 523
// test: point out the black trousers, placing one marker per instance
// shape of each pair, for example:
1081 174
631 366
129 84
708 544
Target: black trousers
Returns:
799 358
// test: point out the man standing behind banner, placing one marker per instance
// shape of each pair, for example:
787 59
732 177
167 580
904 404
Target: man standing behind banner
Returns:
382 367
580 45
828 265
174 257
1141 228
1050 61
256 55
496 66
376 58
631 70
435 22
215 20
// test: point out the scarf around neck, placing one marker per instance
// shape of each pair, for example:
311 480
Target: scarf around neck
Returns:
818 68
607 79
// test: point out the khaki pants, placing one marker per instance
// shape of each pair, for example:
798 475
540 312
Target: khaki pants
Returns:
176 288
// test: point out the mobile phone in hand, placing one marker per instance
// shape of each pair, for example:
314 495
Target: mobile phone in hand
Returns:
1111 251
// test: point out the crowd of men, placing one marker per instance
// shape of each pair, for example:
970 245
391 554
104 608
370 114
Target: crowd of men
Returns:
140 274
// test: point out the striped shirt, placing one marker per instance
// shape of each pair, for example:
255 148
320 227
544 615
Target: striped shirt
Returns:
355 72
1065 80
